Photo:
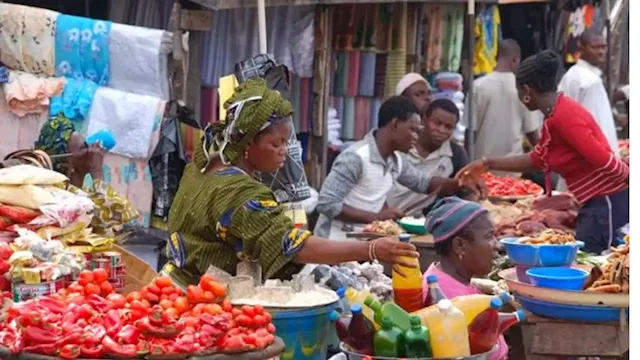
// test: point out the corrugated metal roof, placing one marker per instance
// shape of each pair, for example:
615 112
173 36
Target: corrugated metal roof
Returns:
232 4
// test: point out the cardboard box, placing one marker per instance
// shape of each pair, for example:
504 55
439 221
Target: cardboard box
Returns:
137 272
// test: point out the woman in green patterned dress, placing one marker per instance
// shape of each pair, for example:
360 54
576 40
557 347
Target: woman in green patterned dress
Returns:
222 215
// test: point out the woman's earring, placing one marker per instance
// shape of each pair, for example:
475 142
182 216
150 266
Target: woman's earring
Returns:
246 154
526 99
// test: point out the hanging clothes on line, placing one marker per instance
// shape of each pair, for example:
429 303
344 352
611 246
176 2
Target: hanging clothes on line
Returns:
75 101
26 93
585 17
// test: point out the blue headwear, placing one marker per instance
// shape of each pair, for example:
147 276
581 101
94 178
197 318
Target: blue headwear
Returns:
449 215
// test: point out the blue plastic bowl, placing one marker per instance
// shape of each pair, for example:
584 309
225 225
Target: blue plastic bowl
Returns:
540 255
561 278
580 313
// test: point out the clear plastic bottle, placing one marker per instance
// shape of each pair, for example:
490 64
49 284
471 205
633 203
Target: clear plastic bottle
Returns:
355 297
484 330
449 334
434 293
344 307
407 290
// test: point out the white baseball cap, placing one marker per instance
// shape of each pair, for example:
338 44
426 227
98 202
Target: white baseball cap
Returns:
408 80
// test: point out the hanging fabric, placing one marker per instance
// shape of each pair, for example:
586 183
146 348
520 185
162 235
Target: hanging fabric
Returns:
27 38
454 35
487 33
168 160
26 93
434 39
75 100
585 17
82 48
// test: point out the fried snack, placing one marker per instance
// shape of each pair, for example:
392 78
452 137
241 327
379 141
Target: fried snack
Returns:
615 275
550 237
386 227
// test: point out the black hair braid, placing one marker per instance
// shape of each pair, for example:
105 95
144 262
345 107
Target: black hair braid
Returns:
540 71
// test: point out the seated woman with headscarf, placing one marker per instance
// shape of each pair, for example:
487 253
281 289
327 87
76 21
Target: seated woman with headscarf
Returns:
463 237
68 153
223 216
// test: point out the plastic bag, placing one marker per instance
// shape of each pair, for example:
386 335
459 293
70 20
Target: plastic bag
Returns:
30 175
31 196
67 211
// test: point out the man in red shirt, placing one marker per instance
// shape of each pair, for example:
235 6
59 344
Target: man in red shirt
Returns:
572 145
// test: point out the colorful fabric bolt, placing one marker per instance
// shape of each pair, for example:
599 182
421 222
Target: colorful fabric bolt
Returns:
488 31
75 100
449 215
4 74
54 140
82 48
27 38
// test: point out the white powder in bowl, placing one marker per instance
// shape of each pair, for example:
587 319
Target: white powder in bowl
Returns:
275 296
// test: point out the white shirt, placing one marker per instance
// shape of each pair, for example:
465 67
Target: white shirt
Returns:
583 83
438 163
501 120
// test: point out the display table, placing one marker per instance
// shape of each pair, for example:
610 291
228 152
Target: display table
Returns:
544 339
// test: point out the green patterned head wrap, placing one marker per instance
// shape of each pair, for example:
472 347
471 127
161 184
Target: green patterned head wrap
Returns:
250 110
54 140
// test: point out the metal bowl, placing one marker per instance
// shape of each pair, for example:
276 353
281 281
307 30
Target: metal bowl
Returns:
351 355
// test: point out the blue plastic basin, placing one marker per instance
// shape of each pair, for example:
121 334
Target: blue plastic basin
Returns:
561 278
581 313
305 332
540 255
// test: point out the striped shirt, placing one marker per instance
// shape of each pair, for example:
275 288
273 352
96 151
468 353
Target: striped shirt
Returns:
573 145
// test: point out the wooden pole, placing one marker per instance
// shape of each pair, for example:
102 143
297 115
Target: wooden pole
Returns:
607 26
471 10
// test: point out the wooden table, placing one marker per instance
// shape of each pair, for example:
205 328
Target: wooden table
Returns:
541 338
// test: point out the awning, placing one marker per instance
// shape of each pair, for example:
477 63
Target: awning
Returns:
232 4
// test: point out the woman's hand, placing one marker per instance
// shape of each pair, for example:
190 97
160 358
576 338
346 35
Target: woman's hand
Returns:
472 171
89 161
392 251
477 187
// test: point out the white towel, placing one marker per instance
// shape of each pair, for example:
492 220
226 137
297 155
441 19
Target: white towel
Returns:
332 113
130 117
331 126
139 60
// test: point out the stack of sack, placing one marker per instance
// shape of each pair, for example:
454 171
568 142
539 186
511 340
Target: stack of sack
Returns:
333 127
449 86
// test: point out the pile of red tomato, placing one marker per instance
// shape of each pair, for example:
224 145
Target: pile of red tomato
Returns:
510 186
89 320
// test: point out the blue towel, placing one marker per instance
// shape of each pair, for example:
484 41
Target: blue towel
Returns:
367 74
82 48
75 100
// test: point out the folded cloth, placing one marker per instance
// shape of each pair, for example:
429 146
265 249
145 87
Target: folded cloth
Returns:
82 48
75 100
334 126
332 113
29 94
132 118
27 38
138 60
455 96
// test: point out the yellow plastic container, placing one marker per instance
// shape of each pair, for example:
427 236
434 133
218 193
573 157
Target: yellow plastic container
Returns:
448 332
470 305
407 290
359 297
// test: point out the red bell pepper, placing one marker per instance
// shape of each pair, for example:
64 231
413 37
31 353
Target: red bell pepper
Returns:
146 327
93 352
43 349
52 305
143 348
115 349
129 334
5 222
98 302
18 345
70 351
94 334
158 316
40 336
112 322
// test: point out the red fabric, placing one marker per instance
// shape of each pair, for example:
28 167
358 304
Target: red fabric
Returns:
572 145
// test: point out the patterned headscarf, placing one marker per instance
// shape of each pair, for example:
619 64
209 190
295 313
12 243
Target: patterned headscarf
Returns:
54 140
449 215
250 110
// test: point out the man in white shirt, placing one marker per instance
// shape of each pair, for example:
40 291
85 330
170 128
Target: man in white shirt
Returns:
583 83
501 120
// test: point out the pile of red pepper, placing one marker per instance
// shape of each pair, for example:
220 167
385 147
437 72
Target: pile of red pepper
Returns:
5 283
10 215
70 324
510 186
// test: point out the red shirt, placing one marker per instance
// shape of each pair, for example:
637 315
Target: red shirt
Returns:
572 145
